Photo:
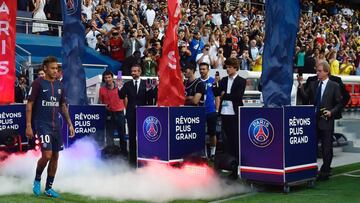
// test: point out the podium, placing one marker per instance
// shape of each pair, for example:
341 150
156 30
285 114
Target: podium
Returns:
169 134
87 121
278 145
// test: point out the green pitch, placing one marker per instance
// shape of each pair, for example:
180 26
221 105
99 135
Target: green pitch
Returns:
342 187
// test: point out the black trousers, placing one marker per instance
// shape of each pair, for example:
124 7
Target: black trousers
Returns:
116 121
324 136
131 120
230 125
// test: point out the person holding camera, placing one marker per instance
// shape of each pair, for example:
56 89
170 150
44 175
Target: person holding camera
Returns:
90 36
131 43
219 59
325 95
204 57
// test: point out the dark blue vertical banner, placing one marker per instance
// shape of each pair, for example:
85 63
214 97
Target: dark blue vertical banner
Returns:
73 46
281 27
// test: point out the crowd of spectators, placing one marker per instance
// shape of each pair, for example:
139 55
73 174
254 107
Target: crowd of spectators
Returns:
211 31
132 31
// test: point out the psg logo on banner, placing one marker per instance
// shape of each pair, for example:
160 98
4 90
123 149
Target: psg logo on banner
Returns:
261 132
152 128
71 6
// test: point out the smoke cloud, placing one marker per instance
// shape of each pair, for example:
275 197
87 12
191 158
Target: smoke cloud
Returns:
82 171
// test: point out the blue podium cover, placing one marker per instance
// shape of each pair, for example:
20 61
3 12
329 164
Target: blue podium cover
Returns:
87 121
169 134
13 118
277 145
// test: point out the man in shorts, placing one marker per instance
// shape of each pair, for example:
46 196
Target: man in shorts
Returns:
46 100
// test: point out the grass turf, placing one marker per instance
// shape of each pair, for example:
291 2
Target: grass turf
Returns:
338 189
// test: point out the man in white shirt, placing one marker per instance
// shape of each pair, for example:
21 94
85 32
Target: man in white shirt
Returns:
204 57
150 15
231 91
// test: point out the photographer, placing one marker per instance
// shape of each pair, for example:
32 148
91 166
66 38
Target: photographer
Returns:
90 36
131 43
204 57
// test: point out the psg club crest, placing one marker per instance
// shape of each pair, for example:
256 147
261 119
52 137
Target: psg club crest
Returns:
71 6
152 128
261 132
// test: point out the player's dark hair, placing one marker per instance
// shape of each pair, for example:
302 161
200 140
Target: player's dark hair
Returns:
49 59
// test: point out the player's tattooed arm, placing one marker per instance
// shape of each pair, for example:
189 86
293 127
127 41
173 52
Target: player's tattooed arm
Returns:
65 113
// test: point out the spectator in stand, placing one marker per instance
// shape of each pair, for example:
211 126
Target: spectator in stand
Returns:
149 64
87 8
219 59
254 50
21 89
38 13
108 25
91 35
129 62
245 61
347 68
131 43
116 46
150 15
204 57
156 37
185 55
334 63
41 72
196 45
101 45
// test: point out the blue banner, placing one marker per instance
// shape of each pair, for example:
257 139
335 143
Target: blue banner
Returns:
73 47
281 27
12 119
87 121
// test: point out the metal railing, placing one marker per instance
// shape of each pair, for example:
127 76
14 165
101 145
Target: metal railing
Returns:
26 59
29 23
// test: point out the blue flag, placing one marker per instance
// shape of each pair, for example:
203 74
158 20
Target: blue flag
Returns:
281 27
73 47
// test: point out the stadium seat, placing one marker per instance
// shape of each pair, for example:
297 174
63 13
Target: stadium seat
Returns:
355 98
348 87
356 88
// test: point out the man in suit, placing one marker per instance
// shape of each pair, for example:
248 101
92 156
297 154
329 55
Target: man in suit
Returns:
344 93
136 93
231 90
326 96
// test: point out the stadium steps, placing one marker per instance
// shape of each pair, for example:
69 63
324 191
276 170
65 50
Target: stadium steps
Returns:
350 128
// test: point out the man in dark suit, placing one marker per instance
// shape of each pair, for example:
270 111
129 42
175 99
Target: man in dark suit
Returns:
136 93
344 93
231 90
325 95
